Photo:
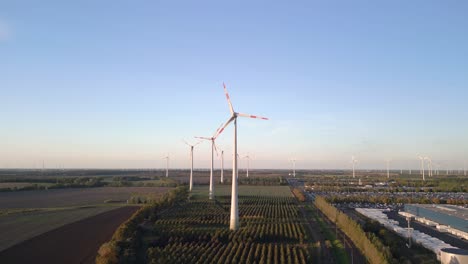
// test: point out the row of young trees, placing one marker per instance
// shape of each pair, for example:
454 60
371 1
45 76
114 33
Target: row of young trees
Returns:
197 232
248 252
353 230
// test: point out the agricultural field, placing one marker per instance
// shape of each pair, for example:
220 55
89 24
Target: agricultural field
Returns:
197 231
77 242
19 227
27 214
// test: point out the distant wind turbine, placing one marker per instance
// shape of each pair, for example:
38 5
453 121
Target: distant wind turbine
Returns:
248 164
429 167
388 168
191 162
213 148
464 168
167 164
353 161
234 221
422 167
293 161
222 166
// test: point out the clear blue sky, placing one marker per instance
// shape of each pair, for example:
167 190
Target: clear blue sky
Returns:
120 83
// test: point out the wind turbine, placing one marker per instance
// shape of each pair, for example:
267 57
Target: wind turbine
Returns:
353 161
437 171
248 164
222 163
388 168
191 161
293 161
213 148
167 164
222 166
464 168
429 167
422 167
234 221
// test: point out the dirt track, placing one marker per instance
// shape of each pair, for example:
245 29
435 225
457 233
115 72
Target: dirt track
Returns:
73 243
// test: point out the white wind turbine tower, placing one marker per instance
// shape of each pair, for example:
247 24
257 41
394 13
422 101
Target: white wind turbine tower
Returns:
388 168
248 164
234 222
191 162
222 166
422 167
213 148
167 164
222 163
437 170
353 161
429 167
293 161
464 168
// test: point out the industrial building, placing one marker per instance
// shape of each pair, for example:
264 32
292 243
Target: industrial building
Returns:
446 218
434 244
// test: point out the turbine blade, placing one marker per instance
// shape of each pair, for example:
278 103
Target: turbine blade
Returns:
252 116
228 99
215 148
186 143
204 138
200 141
225 125
217 130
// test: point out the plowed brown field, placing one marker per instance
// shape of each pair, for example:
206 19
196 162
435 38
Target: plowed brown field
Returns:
77 242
